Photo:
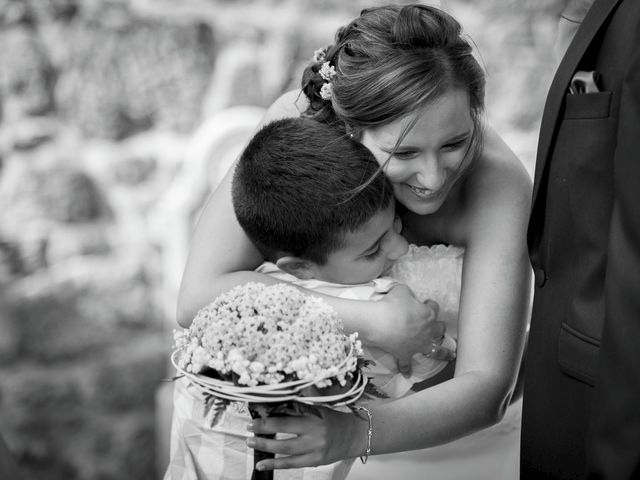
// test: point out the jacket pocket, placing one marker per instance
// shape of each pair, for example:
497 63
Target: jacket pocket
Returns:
587 105
578 354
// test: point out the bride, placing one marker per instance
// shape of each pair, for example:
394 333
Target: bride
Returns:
404 82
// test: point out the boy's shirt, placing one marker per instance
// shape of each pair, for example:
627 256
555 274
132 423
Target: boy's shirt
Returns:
372 290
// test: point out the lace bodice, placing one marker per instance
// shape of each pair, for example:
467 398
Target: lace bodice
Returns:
435 273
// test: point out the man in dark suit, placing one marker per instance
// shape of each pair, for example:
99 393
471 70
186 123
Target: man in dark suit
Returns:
581 410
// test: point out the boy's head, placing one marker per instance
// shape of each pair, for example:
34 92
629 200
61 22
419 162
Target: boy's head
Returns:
315 202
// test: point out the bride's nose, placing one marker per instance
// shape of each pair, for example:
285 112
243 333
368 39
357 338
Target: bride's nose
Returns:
431 174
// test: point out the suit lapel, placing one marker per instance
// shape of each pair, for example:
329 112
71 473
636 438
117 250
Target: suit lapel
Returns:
594 19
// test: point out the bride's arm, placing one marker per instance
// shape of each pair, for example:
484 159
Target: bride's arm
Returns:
492 326
493 316
497 274
221 257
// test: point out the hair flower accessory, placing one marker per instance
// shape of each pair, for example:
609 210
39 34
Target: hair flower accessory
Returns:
326 91
320 55
327 71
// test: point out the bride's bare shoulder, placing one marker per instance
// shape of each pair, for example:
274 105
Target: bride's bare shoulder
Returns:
497 197
499 172
500 156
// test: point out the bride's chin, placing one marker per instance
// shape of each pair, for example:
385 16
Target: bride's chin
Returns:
423 209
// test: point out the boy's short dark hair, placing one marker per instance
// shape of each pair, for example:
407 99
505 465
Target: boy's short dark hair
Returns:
300 185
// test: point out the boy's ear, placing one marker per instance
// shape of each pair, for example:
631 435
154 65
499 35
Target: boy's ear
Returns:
296 266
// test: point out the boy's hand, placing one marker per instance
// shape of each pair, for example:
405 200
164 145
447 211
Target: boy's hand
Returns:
408 325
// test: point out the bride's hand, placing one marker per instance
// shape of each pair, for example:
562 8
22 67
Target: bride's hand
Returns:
321 437
407 326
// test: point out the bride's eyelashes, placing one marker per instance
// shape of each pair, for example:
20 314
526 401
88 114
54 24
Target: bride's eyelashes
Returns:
448 147
405 155
456 145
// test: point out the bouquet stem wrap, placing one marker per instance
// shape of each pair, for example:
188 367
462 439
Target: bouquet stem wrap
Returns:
258 455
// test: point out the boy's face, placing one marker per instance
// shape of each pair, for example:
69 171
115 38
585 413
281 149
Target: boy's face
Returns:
366 253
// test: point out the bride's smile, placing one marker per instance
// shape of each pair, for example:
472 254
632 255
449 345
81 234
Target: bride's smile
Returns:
425 193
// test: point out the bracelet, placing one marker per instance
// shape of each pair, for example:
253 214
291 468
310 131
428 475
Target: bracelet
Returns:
365 456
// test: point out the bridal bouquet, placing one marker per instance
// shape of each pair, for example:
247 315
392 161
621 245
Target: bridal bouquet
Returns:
272 347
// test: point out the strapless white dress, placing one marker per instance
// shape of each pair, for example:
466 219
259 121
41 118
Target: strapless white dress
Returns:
433 273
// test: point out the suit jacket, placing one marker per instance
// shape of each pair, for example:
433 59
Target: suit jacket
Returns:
584 243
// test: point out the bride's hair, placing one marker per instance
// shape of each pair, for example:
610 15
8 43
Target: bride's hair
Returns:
390 62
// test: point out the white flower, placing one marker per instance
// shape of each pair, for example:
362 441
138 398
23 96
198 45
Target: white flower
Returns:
319 55
326 91
327 71
256 367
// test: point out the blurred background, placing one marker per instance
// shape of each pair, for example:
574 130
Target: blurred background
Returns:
117 118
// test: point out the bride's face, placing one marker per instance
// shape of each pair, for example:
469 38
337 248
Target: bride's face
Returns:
423 167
